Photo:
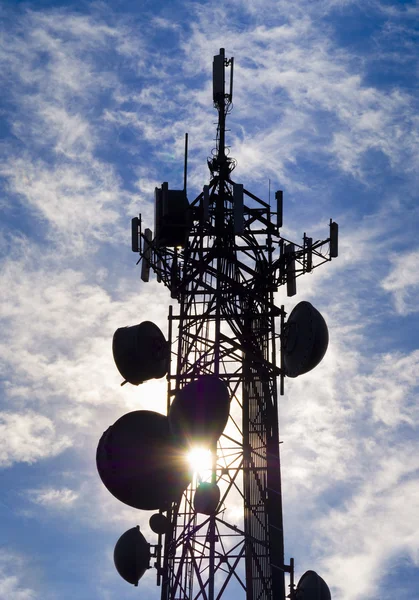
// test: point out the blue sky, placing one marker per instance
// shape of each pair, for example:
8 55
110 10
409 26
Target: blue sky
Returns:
95 101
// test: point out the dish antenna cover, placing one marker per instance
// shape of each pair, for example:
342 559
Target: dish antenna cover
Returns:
141 352
207 498
140 464
199 412
132 555
159 524
305 341
312 587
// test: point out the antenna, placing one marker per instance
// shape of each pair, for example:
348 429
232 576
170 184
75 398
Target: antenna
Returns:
306 340
289 251
334 231
308 245
221 163
230 96
185 168
145 264
279 208
135 224
312 587
218 81
205 203
238 208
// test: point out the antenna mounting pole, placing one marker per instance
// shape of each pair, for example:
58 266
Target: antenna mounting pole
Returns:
222 102
185 169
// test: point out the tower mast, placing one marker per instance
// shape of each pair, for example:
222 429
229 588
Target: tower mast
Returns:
233 302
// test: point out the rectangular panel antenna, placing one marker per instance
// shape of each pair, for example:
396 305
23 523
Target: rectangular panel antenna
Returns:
159 270
205 204
279 207
185 167
146 258
238 208
158 210
218 82
308 244
135 222
165 199
289 250
334 230
230 96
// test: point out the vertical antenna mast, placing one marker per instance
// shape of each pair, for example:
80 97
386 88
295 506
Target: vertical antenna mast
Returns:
218 81
222 101
185 168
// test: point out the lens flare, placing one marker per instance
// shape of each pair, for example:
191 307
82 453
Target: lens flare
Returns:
200 460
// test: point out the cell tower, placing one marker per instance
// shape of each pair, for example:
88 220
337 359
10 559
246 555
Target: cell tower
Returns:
219 528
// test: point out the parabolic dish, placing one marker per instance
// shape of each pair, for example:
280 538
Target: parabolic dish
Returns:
312 587
206 498
199 411
140 464
141 352
159 523
305 341
132 555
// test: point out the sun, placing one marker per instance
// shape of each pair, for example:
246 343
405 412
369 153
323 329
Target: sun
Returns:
200 459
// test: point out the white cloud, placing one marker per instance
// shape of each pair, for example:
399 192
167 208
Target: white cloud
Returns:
373 528
350 459
403 282
50 497
75 201
52 169
345 453
318 104
393 389
163 23
66 44
13 577
28 437
56 354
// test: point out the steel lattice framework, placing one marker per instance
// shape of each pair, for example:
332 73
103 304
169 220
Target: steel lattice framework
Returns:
225 323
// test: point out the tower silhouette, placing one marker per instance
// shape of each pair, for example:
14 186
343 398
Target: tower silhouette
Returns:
223 258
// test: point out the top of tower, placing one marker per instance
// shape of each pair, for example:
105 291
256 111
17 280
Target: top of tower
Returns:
220 162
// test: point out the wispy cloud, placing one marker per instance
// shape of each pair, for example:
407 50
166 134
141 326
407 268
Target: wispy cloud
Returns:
56 352
74 202
96 115
350 456
319 104
12 584
28 437
402 282
50 497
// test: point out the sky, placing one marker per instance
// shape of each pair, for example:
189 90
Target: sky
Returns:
96 98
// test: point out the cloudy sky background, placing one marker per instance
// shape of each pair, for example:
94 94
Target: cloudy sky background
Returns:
95 101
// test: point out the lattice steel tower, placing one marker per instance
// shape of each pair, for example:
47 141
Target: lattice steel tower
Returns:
223 258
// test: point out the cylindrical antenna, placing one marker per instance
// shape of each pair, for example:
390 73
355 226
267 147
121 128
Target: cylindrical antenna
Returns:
185 168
